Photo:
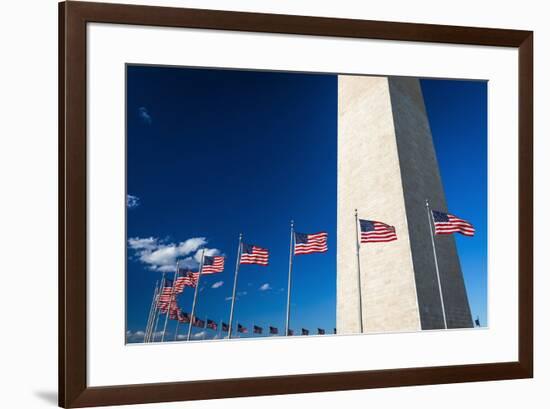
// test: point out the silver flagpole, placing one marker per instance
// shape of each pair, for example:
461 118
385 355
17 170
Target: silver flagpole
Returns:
430 219
195 299
290 256
177 328
146 331
170 302
235 286
151 310
358 273
157 318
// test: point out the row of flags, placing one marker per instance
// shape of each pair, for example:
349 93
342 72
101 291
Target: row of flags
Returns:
371 231
185 318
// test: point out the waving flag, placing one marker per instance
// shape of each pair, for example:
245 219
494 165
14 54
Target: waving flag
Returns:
182 282
213 264
376 232
242 329
194 276
174 311
257 330
252 254
290 332
273 330
211 324
446 223
166 296
320 331
305 331
310 243
225 327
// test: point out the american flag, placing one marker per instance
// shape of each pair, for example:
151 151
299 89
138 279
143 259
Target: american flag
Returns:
225 327
290 332
166 296
320 331
183 317
310 243
305 331
446 223
252 254
257 330
273 330
181 282
174 311
242 329
197 322
194 276
376 232
213 264
211 324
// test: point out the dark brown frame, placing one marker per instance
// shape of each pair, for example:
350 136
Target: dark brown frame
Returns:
73 389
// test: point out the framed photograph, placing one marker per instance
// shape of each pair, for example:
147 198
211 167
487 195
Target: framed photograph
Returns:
256 204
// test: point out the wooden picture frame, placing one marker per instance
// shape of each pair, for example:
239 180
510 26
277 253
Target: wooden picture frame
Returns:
73 388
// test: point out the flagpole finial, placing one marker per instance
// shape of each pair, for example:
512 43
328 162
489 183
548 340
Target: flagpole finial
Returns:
427 203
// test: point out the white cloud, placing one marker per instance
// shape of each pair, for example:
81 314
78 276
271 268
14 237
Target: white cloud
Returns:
137 243
145 115
239 294
207 252
136 336
265 287
132 201
161 256
217 284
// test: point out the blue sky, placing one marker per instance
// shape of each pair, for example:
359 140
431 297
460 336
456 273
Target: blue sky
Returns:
215 153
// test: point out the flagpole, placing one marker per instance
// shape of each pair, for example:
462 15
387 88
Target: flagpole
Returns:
235 286
177 328
150 313
436 264
170 302
358 273
157 312
289 278
177 316
149 318
195 299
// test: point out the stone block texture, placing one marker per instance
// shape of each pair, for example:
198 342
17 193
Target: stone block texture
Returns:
387 168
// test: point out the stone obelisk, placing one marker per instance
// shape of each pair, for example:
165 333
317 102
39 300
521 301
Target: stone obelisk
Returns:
387 168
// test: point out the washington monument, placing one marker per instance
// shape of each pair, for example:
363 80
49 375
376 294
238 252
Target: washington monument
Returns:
387 169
